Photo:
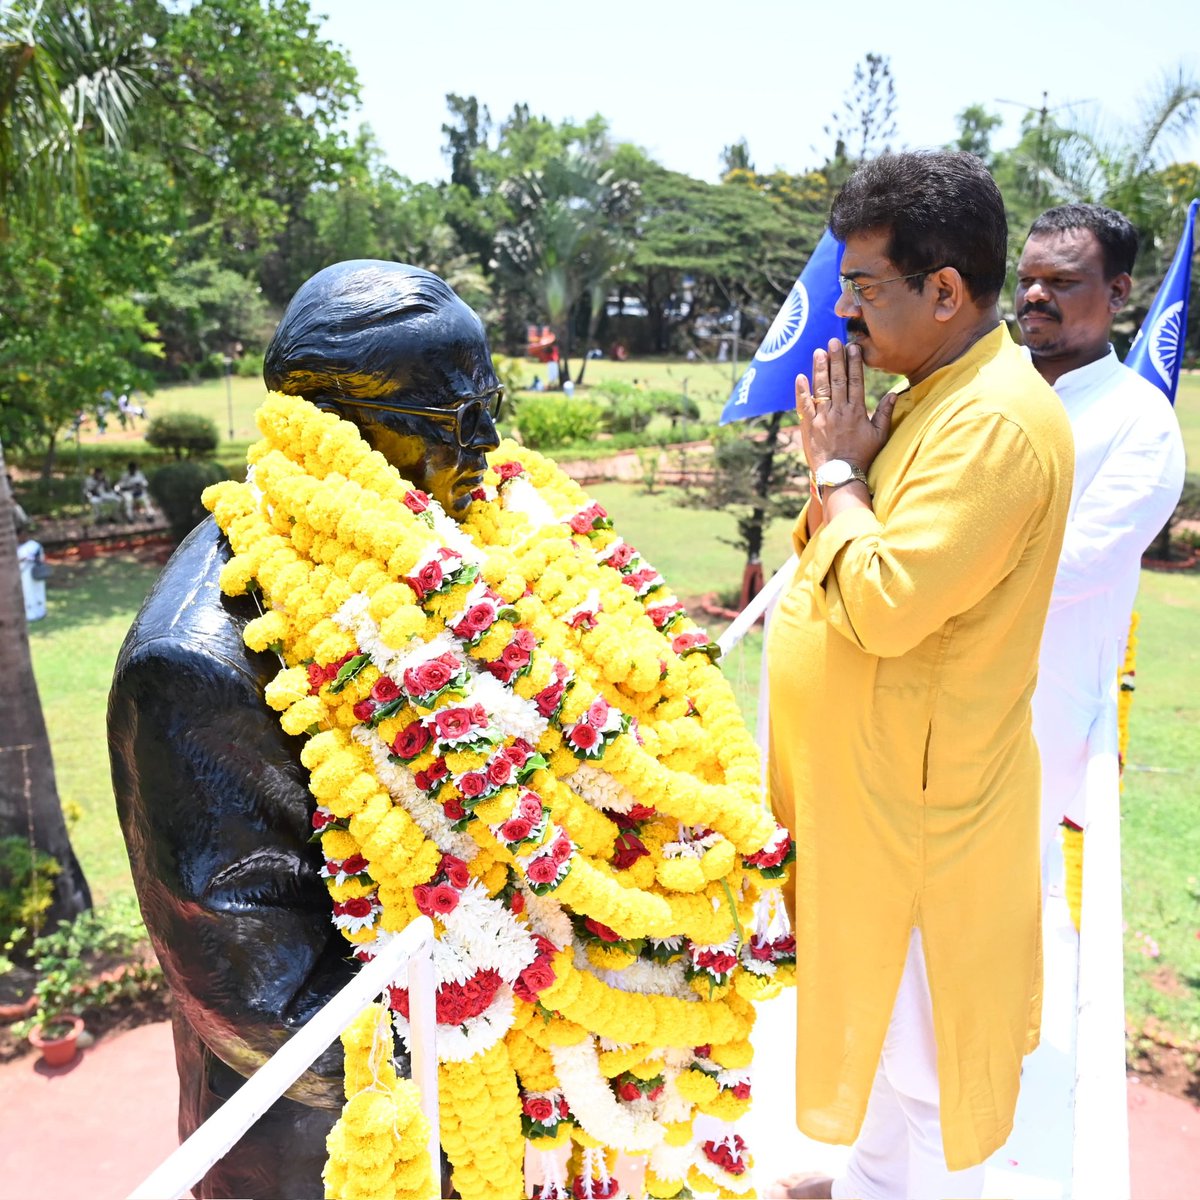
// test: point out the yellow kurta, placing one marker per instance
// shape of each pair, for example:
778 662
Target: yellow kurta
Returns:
903 658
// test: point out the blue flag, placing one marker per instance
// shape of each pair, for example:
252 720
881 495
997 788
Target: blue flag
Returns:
1157 351
805 323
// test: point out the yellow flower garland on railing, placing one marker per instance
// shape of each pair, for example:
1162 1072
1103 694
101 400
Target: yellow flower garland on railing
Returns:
1072 836
513 727
378 1147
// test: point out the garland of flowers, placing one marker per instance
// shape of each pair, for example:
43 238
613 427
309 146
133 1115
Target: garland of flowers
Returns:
513 727
378 1145
1072 835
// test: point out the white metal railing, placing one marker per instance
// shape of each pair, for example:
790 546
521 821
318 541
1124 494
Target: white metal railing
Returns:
1100 1150
208 1144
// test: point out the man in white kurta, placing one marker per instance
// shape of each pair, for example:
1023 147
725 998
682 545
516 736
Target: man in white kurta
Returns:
1073 277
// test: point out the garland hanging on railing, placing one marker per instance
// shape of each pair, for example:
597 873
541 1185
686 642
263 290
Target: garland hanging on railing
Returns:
513 727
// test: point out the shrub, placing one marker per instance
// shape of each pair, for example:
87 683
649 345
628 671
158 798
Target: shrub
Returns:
176 489
183 434
510 372
549 421
249 366
26 886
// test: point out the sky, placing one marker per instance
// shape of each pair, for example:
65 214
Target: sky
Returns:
683 80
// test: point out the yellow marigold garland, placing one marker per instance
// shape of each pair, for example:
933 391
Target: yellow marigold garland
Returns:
513 727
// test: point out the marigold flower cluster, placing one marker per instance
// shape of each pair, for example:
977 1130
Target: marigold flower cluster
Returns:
513 727
378 1149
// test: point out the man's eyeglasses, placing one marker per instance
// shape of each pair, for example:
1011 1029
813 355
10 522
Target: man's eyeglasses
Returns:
467 415
861 292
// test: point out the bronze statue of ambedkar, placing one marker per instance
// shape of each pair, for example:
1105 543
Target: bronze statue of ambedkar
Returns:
212 798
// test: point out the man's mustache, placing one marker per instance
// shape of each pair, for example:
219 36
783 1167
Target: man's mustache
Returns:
857 325
1043 310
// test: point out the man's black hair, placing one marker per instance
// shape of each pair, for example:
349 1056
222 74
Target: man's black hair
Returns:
1117 237
940 208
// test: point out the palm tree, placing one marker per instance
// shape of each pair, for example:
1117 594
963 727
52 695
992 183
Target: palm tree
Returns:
566 238
59 80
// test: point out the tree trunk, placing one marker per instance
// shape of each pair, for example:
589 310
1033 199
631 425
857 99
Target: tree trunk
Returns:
29 803
595 309
48 459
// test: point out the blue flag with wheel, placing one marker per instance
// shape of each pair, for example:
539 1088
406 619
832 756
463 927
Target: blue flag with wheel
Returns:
805 323
1157 351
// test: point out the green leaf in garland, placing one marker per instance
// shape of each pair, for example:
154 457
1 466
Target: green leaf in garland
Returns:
349 671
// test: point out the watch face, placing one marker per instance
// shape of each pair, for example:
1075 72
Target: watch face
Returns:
836 470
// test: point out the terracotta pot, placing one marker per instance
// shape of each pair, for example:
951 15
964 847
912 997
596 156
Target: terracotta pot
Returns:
58 1051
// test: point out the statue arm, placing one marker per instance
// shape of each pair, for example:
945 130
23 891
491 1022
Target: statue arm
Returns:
215 809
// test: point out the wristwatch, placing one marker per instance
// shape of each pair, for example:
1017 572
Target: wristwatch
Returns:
836 472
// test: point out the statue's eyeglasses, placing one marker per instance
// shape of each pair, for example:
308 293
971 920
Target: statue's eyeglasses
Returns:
467 415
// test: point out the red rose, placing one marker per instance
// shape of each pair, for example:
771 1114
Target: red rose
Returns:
530 807
542 870
582 522
499 770
455 870
423 895
656 1093
398 1000
364 709
416 500
601 931
525 639
583 620
354 864
538 1107
317 676
629 1091
428 579
627 850
621 555
385 690
561 850
536 977
741 1090
410 741
549 698
704 1051
320 819
357 906
509 470
640 812
443 900
761 951
499 670
434 675
564 1109
514 657
516 904
583 736
478 618
597 713
686 641
422 780
473 784
438 770
452 723
785 945
516 829
518 753
454 810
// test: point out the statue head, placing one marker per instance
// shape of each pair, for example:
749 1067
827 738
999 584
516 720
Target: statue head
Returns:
392 348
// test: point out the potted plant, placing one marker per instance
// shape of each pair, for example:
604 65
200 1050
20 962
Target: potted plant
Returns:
62 972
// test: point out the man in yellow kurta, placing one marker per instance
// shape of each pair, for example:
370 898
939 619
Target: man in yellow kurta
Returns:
902 662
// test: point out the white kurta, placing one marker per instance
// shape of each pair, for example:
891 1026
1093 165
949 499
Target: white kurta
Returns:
1128 476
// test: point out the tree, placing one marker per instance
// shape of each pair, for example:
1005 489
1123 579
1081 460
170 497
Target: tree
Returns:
566 239
865 124
975 128
51 60
736 158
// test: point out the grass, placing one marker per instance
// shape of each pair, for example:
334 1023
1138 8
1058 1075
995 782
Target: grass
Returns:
93 603
1160 833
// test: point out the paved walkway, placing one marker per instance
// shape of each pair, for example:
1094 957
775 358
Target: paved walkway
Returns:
97 1128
